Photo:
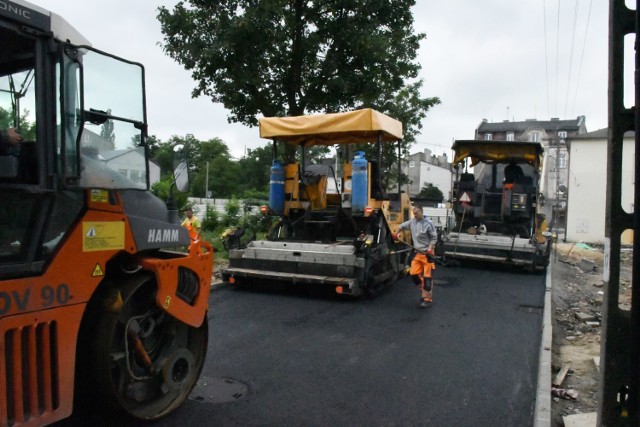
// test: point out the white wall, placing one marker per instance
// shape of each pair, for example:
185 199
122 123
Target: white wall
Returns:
154 173
436 175
587 189
199 205
133 162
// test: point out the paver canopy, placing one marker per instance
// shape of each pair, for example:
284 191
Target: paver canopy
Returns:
497 152
352 127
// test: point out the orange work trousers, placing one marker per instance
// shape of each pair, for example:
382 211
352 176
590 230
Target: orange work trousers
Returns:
421 268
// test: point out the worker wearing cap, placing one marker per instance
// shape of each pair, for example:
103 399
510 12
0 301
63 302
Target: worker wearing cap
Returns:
192 224
424 236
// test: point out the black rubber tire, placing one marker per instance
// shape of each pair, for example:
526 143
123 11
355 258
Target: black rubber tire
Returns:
117 378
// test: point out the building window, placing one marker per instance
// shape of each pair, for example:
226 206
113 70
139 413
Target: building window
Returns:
562 134
137 176
510 136
562 160
488 136
411 164
534 137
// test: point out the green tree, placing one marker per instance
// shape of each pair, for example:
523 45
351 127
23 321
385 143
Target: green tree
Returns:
161 153
26 127
161 190
286 58
231 214
211 218
255 168
152 142
407 106
223 175
224 178
204 151
106 130
431 192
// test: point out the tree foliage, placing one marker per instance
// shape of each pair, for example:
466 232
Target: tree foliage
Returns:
254 168
207 159
162 188
431 192
408 107
293 57
106 130
26 127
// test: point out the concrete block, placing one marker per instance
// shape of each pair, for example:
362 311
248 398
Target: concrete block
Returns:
585 317
581 420
587 266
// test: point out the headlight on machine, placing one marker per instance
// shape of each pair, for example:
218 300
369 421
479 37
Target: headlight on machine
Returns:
519 201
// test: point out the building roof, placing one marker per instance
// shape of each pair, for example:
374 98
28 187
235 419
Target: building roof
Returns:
601 134
554 124
109 155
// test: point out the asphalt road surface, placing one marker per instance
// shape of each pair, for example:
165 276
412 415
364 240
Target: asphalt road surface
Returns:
300 358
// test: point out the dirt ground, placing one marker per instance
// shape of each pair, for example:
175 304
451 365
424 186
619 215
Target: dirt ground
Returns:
577 311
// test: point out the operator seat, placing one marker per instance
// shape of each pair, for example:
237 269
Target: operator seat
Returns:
467 182
18 164
376 182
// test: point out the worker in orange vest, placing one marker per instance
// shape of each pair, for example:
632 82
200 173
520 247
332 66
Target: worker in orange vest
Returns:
424 236
192 223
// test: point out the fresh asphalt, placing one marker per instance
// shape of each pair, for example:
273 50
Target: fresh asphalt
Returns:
305 358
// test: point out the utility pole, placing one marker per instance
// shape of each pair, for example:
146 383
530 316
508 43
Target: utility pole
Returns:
206 183
557 201
561 141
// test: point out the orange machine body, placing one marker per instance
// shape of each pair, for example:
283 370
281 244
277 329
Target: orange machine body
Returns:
40 316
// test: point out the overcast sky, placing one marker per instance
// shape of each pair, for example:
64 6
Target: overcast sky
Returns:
493 59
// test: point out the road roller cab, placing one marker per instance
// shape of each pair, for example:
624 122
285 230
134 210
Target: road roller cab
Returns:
95 298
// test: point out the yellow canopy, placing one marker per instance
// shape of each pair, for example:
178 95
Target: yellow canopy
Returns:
497 151
350 127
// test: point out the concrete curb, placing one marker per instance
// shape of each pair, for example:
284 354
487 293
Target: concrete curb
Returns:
542 414
216 285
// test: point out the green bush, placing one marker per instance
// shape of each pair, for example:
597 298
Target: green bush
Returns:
213 237
231 216
255 197
211 219
255 221
162 188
